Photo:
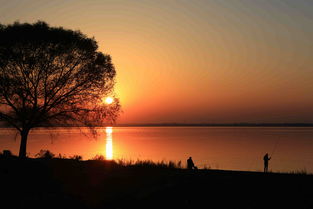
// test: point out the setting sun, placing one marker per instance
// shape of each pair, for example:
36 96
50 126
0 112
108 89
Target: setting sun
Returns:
109 100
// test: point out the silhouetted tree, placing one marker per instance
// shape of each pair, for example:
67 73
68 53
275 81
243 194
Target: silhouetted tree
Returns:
51 75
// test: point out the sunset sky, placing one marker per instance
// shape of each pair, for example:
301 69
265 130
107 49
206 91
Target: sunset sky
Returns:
196 61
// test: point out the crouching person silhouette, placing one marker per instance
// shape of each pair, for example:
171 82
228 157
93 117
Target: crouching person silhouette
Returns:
190 164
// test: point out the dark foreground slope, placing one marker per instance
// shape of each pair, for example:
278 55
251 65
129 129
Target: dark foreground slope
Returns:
35 183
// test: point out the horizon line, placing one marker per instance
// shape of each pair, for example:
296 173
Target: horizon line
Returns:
215 124
173 124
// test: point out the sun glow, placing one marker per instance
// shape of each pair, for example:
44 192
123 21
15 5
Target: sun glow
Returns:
109 143
108 100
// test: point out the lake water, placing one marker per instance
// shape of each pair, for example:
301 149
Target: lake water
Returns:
231 148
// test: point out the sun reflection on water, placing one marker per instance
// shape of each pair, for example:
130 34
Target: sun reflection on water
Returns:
109 143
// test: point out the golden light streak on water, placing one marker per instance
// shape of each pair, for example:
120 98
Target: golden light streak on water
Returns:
109 143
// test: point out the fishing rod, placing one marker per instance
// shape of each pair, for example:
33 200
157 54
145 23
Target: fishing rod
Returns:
275 146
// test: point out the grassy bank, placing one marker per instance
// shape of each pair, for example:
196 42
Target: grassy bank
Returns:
59 183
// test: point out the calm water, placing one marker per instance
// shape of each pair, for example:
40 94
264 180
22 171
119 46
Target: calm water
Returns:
235 148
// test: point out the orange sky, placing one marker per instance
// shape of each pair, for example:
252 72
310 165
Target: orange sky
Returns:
196 61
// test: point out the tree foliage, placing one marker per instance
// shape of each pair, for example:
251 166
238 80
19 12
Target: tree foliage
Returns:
51 76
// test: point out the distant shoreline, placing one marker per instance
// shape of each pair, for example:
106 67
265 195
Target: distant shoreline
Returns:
192 125
217 125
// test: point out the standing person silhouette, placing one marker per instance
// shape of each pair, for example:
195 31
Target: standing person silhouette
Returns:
266 159
190 164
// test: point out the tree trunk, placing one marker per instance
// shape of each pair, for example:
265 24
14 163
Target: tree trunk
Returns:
24 134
